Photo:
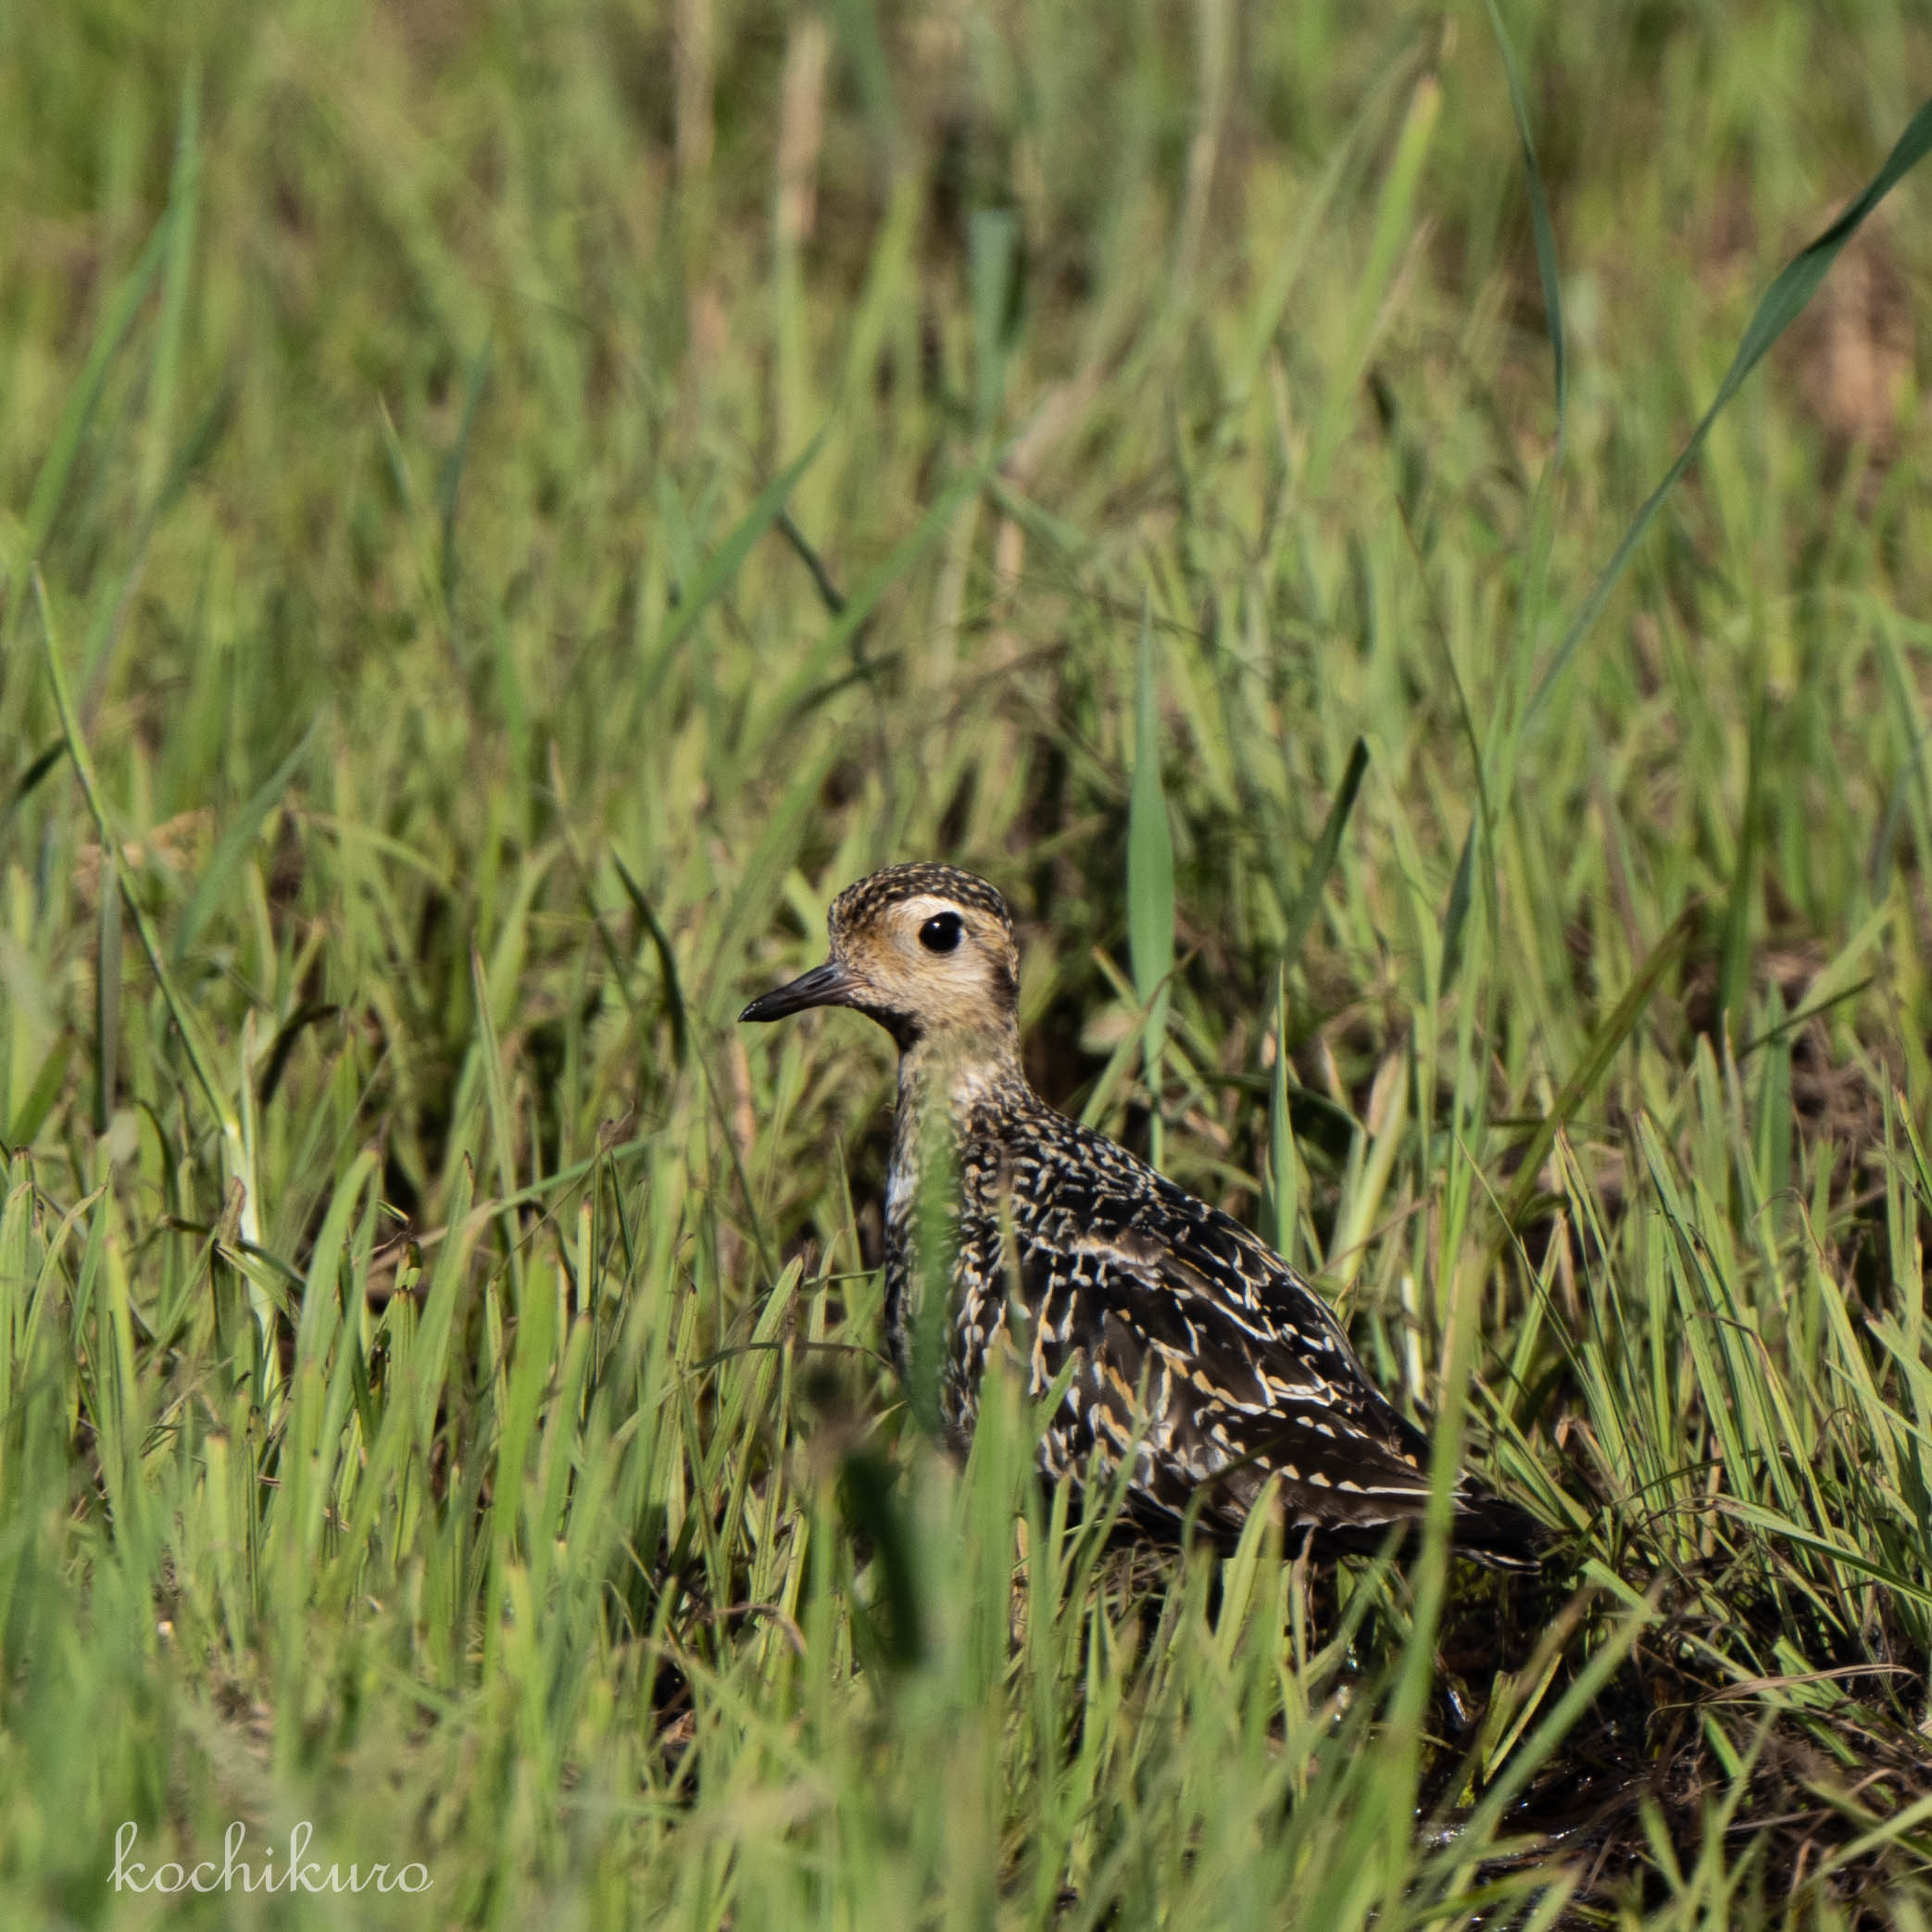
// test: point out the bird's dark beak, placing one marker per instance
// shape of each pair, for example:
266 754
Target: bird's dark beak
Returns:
824 986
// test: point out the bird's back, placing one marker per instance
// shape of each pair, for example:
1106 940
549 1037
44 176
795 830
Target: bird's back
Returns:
1202 1356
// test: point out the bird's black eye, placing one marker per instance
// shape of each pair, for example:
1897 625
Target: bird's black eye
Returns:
941 933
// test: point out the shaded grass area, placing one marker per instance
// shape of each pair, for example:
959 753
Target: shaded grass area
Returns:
526 504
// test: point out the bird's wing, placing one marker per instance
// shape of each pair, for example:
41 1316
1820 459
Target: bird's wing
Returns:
1209 1361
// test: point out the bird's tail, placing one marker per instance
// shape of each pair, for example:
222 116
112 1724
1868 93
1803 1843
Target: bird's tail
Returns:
1498 1532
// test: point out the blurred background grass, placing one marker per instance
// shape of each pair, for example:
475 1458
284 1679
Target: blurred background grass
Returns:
530 500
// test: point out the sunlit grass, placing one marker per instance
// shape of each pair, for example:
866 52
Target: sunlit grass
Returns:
505 559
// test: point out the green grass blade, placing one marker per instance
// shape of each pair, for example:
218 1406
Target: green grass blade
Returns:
1542 232
667 960
1308 900
183 192
114 874
106 1008
1603 1047
1150 865
213 885
993 277
50 484
1273 302
449 493
1455 915
797 696
1782 303
38 1103
1284 1169
725 562
1733 963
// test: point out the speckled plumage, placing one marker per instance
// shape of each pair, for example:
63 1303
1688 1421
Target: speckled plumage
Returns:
1198 1350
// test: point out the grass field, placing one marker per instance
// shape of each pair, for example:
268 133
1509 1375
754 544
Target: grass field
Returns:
527 502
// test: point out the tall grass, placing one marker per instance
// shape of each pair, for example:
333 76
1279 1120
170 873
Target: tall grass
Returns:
502 512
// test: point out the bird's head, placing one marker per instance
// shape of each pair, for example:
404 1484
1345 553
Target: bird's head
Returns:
927 951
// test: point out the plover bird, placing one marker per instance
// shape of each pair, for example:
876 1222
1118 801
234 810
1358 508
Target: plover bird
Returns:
1201 1357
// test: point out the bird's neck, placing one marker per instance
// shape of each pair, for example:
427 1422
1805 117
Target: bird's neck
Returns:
959 1073
950 1087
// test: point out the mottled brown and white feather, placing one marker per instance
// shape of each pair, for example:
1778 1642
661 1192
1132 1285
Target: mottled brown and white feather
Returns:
1196 1353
